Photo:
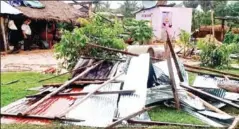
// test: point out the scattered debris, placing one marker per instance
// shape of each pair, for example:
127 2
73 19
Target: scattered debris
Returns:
101 93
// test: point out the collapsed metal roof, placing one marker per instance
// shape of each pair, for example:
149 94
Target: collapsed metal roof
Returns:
140 86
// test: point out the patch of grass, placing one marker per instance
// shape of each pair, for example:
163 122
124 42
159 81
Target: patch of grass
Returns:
166 114
13 92
52 126
231 110
231 70
191 77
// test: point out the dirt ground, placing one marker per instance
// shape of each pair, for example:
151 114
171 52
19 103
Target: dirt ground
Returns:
40 60
35 60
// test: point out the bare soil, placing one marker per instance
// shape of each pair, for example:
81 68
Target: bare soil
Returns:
35 61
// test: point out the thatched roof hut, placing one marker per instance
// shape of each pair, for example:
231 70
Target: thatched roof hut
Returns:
235 30
53 11
219 35
218 28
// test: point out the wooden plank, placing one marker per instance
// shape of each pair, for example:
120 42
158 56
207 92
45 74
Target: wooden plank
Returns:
89 95
3 33
212 70
85 93
97 58
65 73
129 117
42 117
229 87
98 93
119 51
208 105
234 123
151 123
79 83
59 89
212 74
180 75
172 79
210 95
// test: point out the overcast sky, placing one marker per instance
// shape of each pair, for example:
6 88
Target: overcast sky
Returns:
116 4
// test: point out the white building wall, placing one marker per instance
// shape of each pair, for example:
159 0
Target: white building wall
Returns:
181 19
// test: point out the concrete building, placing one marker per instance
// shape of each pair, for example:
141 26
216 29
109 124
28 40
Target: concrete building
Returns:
160 15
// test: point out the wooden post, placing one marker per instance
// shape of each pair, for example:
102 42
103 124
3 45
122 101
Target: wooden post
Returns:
212 19
211 96
59 89
223 23
3 33
90 10
180 75
89 95
129 117
173 83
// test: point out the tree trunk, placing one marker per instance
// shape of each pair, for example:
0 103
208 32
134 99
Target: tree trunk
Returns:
212 18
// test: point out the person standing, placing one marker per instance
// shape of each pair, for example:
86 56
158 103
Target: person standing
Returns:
26 31
14 36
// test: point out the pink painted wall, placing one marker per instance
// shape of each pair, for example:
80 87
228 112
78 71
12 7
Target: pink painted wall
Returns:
181 19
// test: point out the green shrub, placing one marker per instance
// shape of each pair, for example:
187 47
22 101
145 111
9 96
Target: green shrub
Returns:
74 44
213 55
231 38
138 30
184 40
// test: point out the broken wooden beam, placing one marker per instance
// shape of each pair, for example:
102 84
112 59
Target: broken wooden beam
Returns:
173 83
119 51
157 123
210 95
229 87
89 95
11 82
208 105
97 58
234 123
44 79
79 83
98 93
129 117
85 93
211 74
59 89
180 75
41 117
212 70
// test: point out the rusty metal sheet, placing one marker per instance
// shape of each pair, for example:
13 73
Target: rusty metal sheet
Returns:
51 107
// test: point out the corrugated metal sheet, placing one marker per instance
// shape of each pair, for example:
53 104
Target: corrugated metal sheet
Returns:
216 115
98 110
8 9
103 71
135 79
158 94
